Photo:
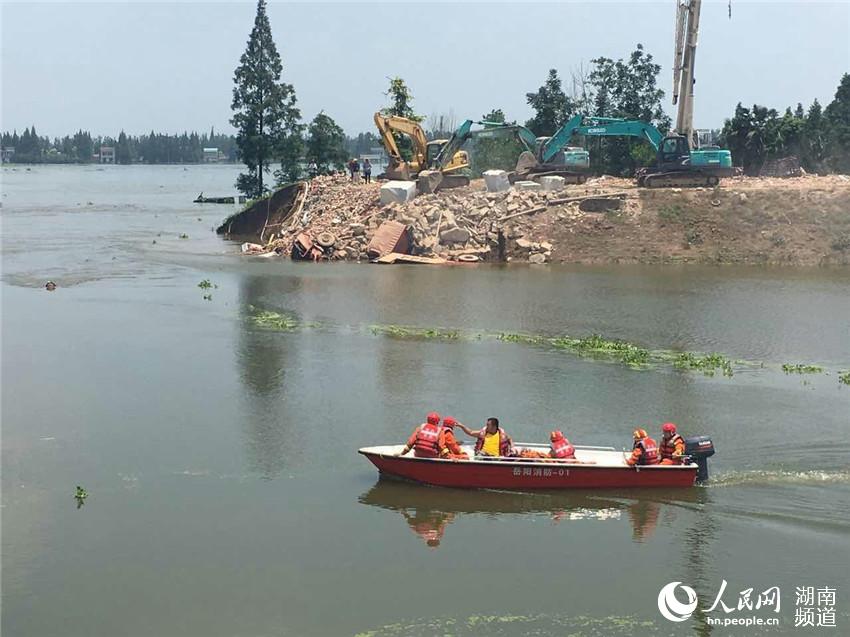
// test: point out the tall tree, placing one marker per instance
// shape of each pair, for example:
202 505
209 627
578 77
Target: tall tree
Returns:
814 139
401 105
551 105
122 151
401 100
326 144
265 115
838 119
498 151
626 89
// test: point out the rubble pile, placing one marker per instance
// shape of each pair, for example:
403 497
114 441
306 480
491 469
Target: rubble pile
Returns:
339 219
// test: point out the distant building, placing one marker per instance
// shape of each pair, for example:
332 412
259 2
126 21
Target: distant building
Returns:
7 153
107 155
212 155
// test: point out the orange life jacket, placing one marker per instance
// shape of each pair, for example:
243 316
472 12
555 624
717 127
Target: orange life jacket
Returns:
668 447
427 441
650 451
562 449
504 442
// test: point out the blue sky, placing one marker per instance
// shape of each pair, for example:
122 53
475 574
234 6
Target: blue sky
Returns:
169 66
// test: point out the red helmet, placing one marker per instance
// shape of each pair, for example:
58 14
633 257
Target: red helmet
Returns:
640 434
434 418
556 435
449 422
668 427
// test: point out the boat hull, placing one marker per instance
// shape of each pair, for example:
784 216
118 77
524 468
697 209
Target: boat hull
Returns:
524 475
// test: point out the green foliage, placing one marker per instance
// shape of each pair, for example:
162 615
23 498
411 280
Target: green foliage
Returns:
671 213
600 347
205 284
799 368
264 112
708 364
275 321
551 105
838 120
625 89
844 377
497 152
80 496
401 101
819 138
428 333
401 105
326 144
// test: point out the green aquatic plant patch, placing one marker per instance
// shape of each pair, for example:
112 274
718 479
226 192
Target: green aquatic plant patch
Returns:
800 368
280 322
844 377
708 364
425 333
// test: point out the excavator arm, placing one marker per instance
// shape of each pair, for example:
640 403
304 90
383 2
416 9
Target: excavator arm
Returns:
389 124
611 127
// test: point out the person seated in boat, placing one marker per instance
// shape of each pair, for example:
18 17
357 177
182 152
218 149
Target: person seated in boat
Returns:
560 448
425 438
672 449
449 447
491 440
645 451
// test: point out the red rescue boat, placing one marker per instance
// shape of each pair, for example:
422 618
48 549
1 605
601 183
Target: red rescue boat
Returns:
593 468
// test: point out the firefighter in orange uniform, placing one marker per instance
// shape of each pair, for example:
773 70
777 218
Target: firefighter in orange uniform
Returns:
645 451
449 447
560 447
425 439
672 445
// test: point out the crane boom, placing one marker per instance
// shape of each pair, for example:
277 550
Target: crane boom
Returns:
684 57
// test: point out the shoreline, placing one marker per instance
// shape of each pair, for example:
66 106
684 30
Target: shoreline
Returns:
799 221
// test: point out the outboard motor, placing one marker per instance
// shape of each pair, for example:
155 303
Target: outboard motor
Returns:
700 449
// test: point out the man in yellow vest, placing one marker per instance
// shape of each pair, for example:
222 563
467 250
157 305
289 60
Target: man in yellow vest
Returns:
491 440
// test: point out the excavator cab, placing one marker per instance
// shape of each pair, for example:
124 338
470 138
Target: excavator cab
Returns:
432 149
673 151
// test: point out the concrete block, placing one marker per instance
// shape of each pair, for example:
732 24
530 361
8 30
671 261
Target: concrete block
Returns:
397 192
455 235
496 180
551 183
527 185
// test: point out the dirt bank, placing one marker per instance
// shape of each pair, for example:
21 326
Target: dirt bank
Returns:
795 221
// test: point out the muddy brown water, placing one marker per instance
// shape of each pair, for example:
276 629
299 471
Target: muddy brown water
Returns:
226 494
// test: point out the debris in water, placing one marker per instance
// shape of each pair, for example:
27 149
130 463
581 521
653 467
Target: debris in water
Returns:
50 286
80 496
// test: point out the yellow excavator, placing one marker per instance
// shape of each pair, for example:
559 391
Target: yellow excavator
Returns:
424 152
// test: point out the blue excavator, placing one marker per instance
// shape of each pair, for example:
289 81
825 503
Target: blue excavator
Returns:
542 155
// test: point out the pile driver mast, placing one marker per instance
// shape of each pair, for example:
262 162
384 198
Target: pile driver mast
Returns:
684 55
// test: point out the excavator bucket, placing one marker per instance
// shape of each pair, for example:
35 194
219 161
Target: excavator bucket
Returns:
429 181
525 164
398 171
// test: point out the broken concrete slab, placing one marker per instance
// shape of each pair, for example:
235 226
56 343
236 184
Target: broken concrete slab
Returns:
527 185
496 180
552 183
538 258
398 192
454 235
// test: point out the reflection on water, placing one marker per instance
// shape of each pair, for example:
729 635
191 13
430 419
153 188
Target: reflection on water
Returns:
429 510
263 360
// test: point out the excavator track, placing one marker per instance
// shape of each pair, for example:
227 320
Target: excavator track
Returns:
678 179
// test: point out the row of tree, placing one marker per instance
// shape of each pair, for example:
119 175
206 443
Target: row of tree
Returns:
818 137
83 147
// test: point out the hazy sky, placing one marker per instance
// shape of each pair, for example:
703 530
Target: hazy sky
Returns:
169 66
